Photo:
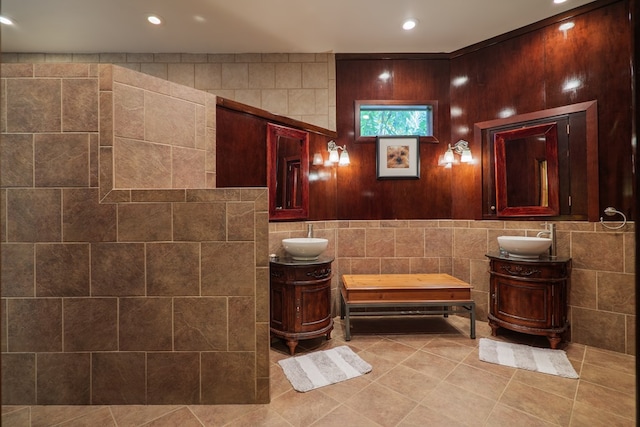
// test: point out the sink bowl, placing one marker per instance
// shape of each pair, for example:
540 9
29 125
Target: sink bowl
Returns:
305 248
524 247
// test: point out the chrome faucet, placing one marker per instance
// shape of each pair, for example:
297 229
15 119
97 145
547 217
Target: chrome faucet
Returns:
309 230
549 232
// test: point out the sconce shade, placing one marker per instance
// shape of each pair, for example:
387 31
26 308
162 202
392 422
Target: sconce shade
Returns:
466 157
448 155
318 160
334 157
344 158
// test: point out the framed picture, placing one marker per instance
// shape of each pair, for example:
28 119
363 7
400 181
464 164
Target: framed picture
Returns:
398 157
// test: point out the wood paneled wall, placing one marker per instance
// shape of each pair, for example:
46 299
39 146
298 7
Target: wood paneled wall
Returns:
524 72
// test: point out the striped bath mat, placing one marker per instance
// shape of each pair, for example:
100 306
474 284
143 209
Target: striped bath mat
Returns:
322 368
544 360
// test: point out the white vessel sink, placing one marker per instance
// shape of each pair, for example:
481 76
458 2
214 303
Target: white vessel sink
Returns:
305 248
524 247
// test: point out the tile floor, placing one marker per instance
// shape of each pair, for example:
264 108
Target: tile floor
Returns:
425 373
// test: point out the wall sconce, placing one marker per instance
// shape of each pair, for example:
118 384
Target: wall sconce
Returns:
462 148
334 157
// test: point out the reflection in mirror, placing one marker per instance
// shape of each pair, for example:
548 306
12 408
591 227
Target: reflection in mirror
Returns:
526 168
287 172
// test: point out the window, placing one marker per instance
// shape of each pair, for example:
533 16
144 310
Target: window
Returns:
396 118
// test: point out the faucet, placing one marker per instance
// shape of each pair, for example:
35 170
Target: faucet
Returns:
549 232
309 230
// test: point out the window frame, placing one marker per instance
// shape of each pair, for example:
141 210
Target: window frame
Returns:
434 117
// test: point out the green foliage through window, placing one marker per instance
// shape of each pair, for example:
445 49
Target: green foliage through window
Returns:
396 120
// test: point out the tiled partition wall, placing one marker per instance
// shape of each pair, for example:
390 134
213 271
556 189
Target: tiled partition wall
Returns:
159 296
602 296
297 85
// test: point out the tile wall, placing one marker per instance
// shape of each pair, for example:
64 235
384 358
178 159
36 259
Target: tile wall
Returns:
296 85
602 295
153 296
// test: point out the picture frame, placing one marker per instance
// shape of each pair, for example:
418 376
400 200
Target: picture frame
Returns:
398 157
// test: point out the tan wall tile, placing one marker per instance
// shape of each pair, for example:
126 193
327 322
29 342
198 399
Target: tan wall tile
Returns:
64 379
17 273
302 101
262 76
275 100
208 76
62 270
90 324
80 105
61 160
351 243
33 215
16 160
19 379
469 243
128 387
379 243
598 328
141 165
188 166
231 376
228 269
242 327
616 292
145 324
128 111
169 120
33 105
201 324
144 222
117 269
156 70
608 257
173 269
438 242
34 325
235 76
314 75
181 74
173 378
199 221
240 221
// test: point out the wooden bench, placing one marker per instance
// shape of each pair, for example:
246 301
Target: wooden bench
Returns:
441 293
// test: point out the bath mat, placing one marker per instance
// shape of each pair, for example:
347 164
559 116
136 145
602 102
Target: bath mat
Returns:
544 360
322 368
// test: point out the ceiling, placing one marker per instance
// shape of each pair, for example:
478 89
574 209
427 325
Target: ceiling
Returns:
264 26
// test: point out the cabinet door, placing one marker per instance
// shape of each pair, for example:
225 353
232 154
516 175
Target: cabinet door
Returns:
279 306
522 303
313 307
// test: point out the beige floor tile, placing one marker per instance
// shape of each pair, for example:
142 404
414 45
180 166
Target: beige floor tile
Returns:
585 414
102 417
450 349
217 415
345 416
565 387
477 381
391 350
381 404
135 415
539 403
610 378
182 417
606 399
303 409
430 364
263 417
463 406
609 359
408 382
504 416
422 416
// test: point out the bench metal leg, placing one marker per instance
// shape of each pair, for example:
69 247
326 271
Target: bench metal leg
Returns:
344 314
472 317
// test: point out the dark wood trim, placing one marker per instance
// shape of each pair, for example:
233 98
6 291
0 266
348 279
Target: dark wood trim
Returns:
274 118
389 56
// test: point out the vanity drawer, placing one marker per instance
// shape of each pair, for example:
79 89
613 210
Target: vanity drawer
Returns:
528 270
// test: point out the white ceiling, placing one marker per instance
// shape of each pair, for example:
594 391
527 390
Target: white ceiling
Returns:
258 26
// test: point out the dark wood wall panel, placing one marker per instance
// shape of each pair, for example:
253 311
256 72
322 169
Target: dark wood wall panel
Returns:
520 74
360 194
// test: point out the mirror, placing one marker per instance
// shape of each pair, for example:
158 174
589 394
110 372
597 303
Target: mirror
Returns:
526 170
287 172
523 176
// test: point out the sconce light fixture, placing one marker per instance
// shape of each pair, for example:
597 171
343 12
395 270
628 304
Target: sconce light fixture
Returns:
462 148
334 157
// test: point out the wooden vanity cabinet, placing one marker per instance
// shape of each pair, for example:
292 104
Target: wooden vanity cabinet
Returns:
300 300
530 296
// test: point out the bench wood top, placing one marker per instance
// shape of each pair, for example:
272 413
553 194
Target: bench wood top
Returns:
404 288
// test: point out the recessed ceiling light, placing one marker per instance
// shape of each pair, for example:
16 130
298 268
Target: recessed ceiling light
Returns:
409 24
559 1
6 21
154 19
